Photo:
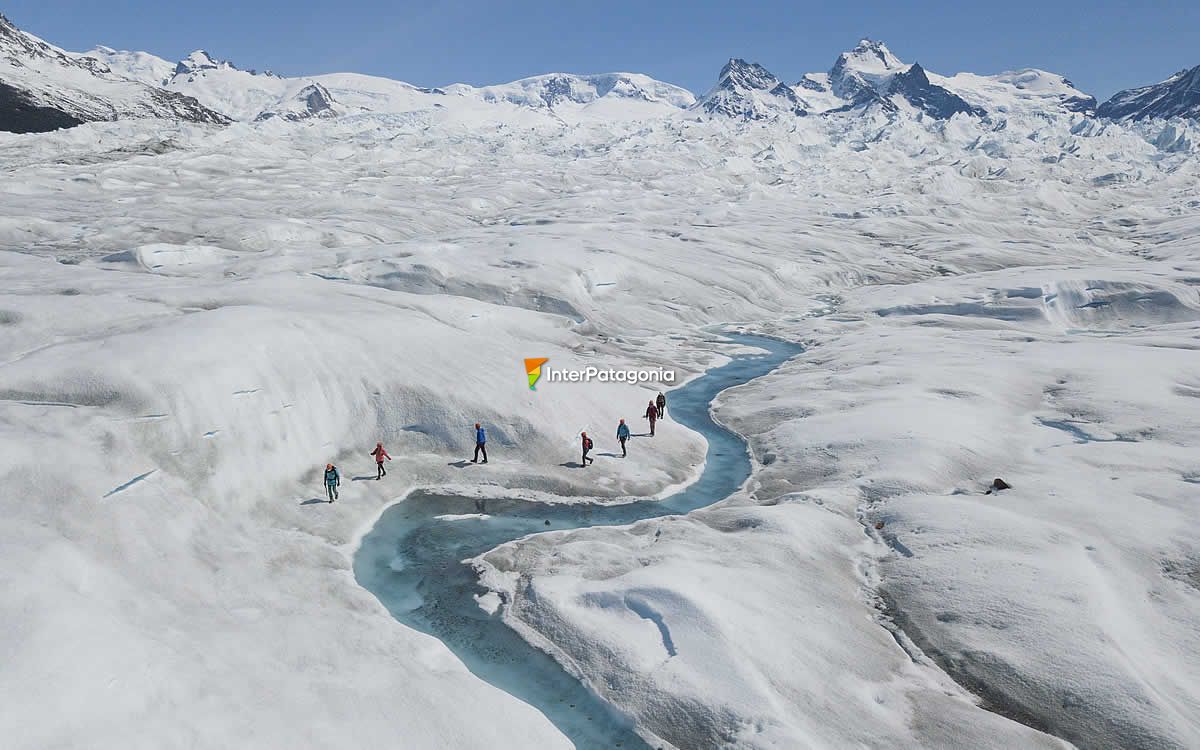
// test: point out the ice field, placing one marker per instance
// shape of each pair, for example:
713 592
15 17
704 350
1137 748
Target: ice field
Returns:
195 319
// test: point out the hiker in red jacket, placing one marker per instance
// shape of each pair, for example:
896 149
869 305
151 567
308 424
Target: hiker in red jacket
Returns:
379 453
587 446
652 415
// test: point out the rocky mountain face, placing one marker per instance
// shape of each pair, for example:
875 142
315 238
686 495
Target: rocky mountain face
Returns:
748 91
864 70
868 76
21 113
939 103
314 100
1178 96
45 88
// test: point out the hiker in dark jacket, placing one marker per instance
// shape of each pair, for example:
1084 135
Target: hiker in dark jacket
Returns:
587 446
652 415
661 403
622 436
332 481
480 444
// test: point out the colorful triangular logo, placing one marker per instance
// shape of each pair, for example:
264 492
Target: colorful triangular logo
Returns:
533 368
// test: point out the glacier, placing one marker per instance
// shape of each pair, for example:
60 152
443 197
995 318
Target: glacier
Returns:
195 317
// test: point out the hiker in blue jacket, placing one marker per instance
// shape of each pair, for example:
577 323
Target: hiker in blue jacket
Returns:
332 480
480 444
622 436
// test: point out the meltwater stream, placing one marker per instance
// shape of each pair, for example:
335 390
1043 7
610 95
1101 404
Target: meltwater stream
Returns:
412 560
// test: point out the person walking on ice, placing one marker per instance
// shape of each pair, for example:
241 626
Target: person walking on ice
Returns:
379 453
622 436
587 446
661 403
332 481
480 444
652 415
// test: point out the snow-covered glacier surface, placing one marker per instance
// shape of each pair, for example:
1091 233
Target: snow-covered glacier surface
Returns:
194 320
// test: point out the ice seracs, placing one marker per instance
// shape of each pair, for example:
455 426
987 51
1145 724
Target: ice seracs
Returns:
1178 96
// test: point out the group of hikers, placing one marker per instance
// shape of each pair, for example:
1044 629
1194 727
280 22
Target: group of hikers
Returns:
656 409
333 477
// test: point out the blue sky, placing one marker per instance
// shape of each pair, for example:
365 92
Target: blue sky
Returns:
1101 45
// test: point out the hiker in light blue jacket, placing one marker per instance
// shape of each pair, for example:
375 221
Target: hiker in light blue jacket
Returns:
332 479
622 436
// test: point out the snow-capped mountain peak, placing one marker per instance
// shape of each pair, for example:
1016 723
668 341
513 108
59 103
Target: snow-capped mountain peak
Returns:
868 65
738 73
201 60
7 29
140 66
870 56
1178 96
43 87
748 91
313 100
554 89
914 86
871 74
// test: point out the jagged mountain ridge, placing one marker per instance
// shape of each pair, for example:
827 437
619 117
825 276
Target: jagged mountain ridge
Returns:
248 95
1178 96
44 88
870 76
750 92
41 88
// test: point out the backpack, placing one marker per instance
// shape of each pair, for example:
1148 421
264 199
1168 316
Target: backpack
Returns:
589 443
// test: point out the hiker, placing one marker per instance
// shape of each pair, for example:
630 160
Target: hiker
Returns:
661 403
622 436
652 415
332 480
480 444
379 453
587 446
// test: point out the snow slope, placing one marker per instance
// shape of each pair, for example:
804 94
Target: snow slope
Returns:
1027 91
140 66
